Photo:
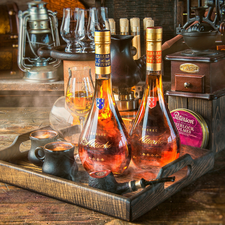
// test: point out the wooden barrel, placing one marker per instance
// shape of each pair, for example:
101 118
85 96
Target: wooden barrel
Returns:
9 29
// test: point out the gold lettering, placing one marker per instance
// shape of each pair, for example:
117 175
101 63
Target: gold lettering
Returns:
147 140
189 68
92 143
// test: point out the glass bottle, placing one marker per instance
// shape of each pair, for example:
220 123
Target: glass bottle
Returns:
154 138
103 144
135 31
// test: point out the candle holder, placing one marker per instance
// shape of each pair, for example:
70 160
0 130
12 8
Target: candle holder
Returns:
38 27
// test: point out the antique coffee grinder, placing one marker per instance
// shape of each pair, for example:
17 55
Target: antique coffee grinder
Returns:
38 27
197 73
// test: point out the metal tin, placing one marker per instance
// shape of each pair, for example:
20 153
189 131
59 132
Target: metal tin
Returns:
204 127
192 127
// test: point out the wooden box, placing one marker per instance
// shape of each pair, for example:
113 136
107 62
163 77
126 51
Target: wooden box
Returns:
198 84
210 106
203 73
15 169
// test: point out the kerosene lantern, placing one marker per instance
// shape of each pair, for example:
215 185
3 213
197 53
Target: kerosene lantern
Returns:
197 74
38 28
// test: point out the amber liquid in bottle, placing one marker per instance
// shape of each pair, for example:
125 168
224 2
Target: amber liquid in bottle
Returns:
154 138
104 143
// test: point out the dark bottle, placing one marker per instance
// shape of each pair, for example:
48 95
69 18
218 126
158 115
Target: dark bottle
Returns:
103 143
154 138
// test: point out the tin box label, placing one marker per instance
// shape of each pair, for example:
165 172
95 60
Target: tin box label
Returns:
189 128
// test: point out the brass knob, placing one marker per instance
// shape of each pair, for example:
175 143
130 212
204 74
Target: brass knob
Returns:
186 84
11 13
15 45
13 36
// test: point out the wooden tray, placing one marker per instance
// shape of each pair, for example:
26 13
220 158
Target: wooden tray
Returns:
15 169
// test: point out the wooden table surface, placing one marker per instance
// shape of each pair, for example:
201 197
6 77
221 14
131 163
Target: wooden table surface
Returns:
202 202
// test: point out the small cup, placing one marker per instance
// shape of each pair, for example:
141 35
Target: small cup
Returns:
40 138
58 159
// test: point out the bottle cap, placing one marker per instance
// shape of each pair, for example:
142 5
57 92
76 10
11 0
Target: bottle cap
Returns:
124 25
112 25
102 37
154 34
148 22
135 24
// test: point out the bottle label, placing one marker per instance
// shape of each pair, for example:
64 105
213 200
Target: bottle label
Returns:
152 101
102 60
100 103
154 56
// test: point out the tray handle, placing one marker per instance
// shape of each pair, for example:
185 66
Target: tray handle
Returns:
13 151
174 167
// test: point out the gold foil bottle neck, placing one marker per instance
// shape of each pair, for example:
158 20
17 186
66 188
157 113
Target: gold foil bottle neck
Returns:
154 48
102 37
154 34
102 52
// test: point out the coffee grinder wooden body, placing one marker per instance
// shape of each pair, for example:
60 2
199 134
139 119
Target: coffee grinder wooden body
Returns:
198 84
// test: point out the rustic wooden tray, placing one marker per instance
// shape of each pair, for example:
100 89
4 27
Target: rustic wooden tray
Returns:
15 169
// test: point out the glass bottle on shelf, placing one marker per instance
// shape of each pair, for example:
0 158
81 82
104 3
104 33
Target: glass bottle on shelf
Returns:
135 31
103 144
155 140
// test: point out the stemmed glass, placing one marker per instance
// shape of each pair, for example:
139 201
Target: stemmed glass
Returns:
68 29
101 19
79 92
86 18
90 20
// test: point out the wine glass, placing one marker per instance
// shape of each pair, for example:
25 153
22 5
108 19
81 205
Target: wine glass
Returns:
68 29
79 92
101 19
65 122
86 18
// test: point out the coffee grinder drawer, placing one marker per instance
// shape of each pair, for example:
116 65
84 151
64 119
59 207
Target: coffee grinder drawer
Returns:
189 83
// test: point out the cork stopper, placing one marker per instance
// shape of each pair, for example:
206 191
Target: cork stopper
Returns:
124 25
112 25
148 22
154 34
135 24
102 37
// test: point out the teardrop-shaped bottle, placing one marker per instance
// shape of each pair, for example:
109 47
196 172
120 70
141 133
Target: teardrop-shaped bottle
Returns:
103 142
154 138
